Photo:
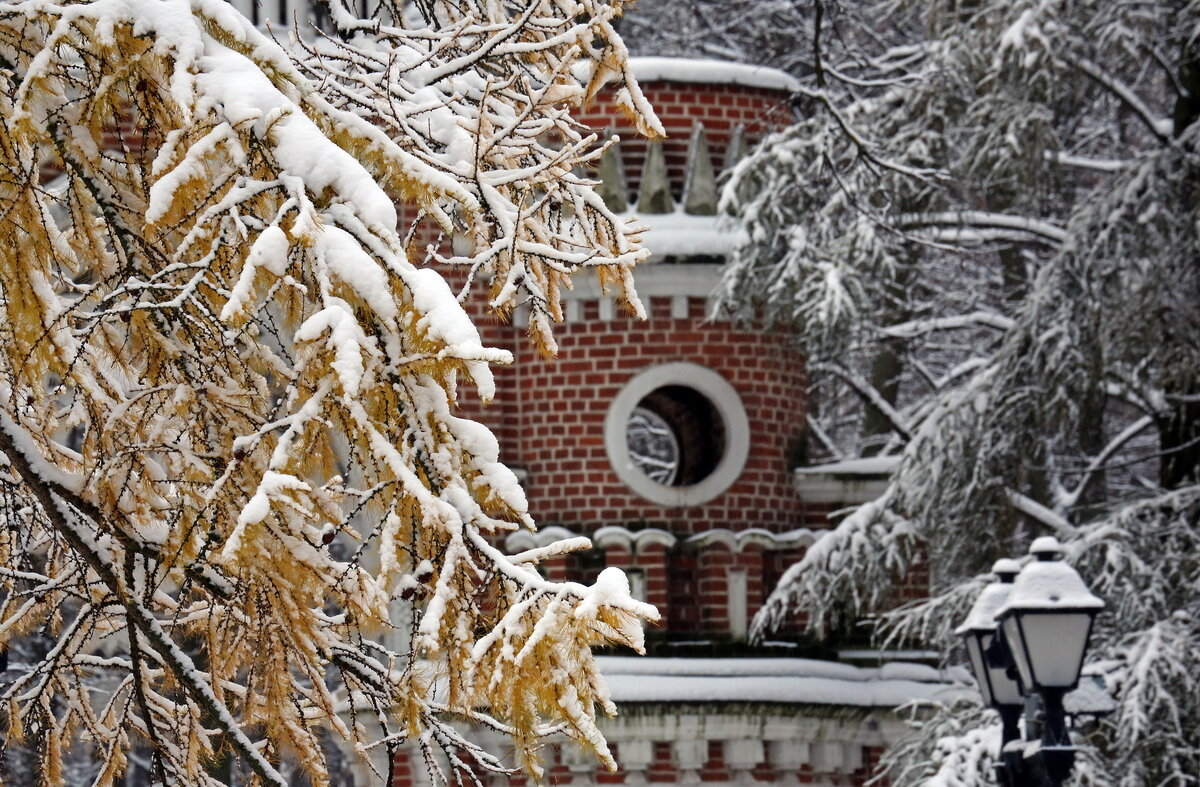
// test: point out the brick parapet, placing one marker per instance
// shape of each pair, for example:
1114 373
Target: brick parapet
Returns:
680 105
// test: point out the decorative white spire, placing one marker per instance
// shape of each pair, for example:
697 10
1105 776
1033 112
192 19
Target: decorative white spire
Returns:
654 195
700 182
612 178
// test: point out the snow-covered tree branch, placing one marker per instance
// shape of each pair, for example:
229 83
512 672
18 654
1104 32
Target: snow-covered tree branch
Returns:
232 483
982 230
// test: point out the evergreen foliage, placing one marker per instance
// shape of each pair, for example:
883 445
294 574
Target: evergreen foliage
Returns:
983 229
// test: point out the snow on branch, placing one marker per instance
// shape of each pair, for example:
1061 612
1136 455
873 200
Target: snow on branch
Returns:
1159 126
1044 230
232 462
492 121
1033 317
913 328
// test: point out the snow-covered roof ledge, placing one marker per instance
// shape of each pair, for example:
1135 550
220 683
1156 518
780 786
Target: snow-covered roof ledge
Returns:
680 234
710 72
777 681
848 481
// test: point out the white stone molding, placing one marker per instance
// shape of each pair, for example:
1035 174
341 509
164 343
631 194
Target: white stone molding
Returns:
786 758
817 488
737 599
680 283
742 756
685 280
637 582
852 757
634 541
581 763
788 737
736 541
847 482
635 757
728 405
836 757
690 756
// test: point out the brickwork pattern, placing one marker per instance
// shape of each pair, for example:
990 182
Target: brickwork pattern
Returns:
549 415
562 406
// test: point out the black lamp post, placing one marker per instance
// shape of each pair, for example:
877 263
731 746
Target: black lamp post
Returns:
991 664
1044 621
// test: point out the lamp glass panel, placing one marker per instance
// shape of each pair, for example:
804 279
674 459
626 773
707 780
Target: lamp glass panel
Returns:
1016 644
1005 690
1055 642
978 666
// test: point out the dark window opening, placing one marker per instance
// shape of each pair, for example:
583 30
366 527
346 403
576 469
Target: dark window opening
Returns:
675 436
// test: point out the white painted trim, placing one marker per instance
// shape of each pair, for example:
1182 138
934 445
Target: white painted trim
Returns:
829 488
736 541
737 599
653 280
724 398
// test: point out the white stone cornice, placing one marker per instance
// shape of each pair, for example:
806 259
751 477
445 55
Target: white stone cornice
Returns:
634 541
736 541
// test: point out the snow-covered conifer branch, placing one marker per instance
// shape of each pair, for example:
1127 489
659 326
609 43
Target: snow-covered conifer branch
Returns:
1043 349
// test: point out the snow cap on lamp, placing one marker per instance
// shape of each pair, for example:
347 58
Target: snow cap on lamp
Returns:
979 630
982 616
1047 619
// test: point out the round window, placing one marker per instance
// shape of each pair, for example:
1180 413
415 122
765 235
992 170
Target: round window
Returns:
677 434
653 445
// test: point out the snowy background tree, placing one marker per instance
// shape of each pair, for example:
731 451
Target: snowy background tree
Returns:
983 230
236 505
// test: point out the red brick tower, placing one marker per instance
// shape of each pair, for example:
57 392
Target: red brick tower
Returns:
668 441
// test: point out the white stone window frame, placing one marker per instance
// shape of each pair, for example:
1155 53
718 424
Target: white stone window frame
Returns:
728 404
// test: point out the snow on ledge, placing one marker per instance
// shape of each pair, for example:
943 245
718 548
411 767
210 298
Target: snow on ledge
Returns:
871 465
682 234
710 72
847 482
773 680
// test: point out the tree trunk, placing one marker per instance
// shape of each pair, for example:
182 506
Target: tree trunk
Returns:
1179 428
887 366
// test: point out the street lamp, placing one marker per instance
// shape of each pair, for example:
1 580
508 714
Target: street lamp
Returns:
991 664
1046 622
1040 623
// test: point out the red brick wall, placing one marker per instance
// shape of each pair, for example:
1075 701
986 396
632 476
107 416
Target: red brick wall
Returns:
561 406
